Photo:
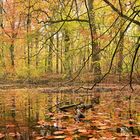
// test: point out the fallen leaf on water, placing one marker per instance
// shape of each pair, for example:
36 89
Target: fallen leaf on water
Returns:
10 125
104 127
106 138
59 137
68 138
12 134
49 137
42 122
39 138
84 133
82 130
136 138
59 132
1 135
71 129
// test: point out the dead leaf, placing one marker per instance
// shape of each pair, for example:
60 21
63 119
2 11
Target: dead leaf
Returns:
39 138
68 138
2 135
59 132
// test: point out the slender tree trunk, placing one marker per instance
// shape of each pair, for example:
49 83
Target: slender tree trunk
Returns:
28 41
57 53
2 56
12 55
72 60
2 43
36 50
67 55
50 59
13 37
25 56
95 66
46 57
138 58
120 51
61 53
88 63
120 56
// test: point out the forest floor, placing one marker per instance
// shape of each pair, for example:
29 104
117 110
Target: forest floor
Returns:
57 84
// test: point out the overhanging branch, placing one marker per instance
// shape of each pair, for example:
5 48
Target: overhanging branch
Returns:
121 14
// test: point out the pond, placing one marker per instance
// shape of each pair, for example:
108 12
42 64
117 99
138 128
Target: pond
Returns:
29 114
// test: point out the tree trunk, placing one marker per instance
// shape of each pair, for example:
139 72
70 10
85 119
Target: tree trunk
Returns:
120 57
67 55
28 41
61 55
36 50
95 64
57 53
2 56
50 66
13 37
12 55
46 57
2 43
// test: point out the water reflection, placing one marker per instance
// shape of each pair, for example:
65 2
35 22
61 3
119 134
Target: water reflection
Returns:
23 112
20 110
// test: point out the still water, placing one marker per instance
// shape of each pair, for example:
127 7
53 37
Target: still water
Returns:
22 109
25 112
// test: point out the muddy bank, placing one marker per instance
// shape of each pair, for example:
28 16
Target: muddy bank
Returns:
46 86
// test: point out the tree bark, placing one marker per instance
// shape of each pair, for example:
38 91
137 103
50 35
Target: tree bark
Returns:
95 64
2 43
67 55
36 49
57 53
12 55
120 57
50 66
28 41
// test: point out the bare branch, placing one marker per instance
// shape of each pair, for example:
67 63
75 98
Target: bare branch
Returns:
121 14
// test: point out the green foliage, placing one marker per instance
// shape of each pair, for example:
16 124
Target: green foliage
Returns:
24 71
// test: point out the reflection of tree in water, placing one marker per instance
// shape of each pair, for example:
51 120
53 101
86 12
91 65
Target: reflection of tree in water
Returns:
37 108
49 102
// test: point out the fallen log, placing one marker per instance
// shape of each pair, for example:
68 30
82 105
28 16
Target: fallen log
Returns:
65 108
80 108
94 101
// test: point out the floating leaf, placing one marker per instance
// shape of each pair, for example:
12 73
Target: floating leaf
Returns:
2 135
59 132
12 134
49 137
82 130
68 138
10 125
59 137
42 123
39 138
92 139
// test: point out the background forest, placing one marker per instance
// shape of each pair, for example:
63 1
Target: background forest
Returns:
70 39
